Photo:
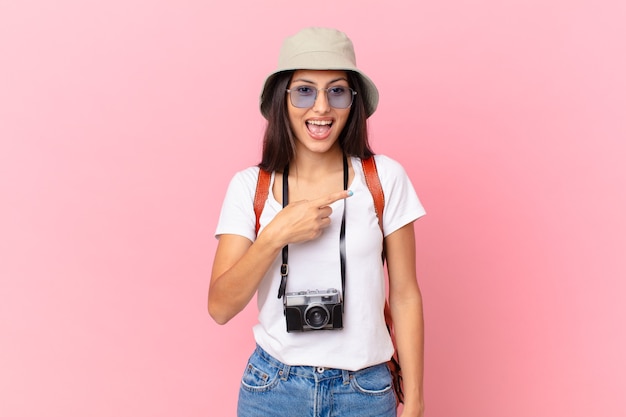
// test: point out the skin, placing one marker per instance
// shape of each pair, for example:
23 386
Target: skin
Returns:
315 182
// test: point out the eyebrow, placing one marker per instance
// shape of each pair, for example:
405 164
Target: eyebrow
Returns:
313 82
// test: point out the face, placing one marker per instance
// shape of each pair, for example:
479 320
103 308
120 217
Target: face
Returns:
317 128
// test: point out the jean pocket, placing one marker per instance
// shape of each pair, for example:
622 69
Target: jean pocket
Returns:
259 375
375 380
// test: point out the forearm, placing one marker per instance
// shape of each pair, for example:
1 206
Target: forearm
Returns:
409 331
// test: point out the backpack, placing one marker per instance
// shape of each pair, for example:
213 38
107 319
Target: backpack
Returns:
373 184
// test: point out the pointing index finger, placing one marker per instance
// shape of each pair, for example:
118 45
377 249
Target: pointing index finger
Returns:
331 198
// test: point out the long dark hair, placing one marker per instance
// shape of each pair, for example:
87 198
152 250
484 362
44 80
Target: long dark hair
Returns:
279 141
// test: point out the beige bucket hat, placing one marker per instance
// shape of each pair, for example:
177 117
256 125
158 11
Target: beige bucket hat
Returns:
320 49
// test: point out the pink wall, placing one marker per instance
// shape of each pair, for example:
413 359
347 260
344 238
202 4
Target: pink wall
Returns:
121 123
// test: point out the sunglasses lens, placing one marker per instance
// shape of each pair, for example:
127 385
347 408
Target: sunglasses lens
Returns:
339 97
303 97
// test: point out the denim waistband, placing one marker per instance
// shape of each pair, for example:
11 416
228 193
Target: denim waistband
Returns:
313 372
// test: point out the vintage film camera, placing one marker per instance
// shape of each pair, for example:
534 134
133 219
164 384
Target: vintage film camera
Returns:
313 310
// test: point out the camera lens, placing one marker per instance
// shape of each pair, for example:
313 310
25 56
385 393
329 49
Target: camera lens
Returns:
316 316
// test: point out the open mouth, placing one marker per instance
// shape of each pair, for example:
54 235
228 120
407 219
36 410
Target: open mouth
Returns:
319 128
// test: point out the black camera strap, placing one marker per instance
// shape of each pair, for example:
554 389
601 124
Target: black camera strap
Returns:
284 268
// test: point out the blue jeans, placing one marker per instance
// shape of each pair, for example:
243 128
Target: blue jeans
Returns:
271 388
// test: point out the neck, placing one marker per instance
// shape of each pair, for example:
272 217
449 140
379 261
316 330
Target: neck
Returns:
311 164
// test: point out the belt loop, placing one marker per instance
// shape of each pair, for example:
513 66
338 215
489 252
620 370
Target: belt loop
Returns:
284 373
346 376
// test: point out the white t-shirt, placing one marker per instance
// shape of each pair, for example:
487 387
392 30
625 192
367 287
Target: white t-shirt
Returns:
364 340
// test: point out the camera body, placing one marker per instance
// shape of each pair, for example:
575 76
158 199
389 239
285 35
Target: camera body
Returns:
313 310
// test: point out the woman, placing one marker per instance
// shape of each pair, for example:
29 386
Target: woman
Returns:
315 263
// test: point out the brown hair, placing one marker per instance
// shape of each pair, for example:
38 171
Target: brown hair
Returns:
279 141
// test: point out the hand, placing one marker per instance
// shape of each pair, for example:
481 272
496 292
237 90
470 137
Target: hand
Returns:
304 220
416 411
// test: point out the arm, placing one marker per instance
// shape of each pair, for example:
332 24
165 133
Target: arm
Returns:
405 302
238 268
240 264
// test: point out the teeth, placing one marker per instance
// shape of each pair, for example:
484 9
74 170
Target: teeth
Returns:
319 122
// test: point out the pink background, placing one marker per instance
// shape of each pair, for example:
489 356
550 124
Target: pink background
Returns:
121 123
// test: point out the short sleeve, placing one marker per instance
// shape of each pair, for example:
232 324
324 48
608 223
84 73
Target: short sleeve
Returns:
237 213
402 205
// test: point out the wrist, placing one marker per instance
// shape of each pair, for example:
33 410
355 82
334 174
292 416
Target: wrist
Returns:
270 241
413 411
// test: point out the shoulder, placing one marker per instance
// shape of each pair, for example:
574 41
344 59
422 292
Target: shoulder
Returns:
243 184
246 178
249 174
393 177
388 168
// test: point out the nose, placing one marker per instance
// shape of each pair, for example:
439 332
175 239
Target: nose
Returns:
321 104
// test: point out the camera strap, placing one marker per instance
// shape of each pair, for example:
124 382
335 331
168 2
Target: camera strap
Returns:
284 268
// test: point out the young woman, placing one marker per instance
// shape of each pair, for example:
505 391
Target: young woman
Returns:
315 263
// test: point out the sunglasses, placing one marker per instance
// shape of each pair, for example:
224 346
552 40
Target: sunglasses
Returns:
339 97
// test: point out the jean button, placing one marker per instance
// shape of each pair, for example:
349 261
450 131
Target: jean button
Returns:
320 370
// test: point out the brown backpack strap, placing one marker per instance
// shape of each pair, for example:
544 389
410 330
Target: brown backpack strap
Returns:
373 184
260 196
